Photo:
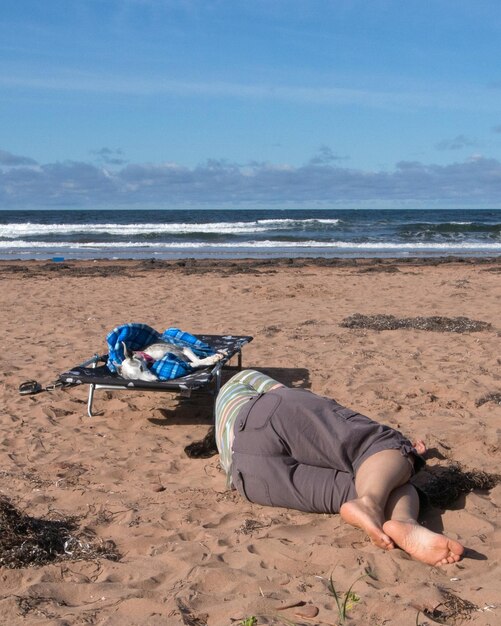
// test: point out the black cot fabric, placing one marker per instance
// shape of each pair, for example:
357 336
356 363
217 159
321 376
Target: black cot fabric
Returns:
101 375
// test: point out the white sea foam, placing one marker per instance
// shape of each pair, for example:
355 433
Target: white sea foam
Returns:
495 247
33 230
29 229
292 222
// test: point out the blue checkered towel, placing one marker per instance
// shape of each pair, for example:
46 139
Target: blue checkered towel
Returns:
140 336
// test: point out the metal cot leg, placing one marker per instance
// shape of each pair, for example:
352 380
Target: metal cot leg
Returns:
91 388
90 399
217 387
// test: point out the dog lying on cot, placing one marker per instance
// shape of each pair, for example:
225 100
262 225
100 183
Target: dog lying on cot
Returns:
135 364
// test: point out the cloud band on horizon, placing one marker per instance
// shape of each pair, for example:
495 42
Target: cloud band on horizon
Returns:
26 184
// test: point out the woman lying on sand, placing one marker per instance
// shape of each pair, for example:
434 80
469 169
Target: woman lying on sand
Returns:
291 448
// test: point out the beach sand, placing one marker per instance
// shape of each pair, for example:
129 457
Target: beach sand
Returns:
192 552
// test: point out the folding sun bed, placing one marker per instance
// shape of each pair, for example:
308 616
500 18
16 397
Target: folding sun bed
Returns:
95 373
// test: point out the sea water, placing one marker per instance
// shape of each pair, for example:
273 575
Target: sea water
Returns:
264 233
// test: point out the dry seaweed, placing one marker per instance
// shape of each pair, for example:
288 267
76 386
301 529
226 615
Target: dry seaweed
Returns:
39 605
249 526
204 448
389 269
30 541
29 475
107 269
447 484
453 609
189 619
489 397
435 323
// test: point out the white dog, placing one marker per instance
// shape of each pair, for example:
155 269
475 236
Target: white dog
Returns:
135 364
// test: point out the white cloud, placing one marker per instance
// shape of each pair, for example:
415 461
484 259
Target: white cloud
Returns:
109 156
324 156
170 185
13 160
457 143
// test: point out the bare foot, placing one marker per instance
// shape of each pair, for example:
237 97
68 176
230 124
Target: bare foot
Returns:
423 544
420 446
364 514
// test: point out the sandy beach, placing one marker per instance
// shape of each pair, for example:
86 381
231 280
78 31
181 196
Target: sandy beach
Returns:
191 552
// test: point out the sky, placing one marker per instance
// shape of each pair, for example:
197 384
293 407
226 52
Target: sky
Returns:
250 103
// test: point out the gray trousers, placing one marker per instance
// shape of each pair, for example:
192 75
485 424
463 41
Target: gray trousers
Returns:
298 450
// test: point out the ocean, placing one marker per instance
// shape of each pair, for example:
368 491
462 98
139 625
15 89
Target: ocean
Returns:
265 233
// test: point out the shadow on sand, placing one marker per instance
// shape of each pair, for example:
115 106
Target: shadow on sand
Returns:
199 407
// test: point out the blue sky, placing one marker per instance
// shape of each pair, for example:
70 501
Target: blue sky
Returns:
179 103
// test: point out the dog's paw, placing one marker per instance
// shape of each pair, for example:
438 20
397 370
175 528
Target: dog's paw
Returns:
211 360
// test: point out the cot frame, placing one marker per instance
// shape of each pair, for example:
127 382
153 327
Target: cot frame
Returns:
86 373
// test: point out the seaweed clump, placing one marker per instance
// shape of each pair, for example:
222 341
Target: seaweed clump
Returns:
204 448
30 541
447 484
188 617
452 610
490 397
435 323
